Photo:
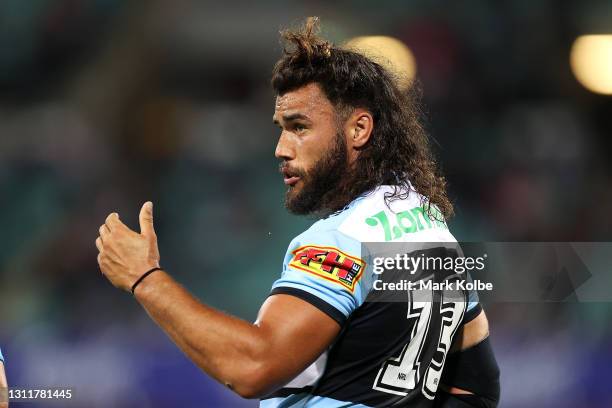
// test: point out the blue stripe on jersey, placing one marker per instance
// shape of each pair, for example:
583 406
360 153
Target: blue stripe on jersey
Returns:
306 400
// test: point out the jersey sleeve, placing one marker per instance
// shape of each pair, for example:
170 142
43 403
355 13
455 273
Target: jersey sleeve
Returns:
326 270
1 356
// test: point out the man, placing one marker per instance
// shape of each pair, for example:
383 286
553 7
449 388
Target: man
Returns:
352 151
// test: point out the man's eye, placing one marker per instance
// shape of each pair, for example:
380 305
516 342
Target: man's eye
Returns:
299 128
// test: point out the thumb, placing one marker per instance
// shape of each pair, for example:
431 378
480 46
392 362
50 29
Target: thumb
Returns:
146 219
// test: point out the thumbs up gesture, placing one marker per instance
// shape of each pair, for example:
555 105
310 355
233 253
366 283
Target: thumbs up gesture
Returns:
125 254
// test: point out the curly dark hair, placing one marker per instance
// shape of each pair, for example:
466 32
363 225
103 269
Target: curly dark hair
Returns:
398 151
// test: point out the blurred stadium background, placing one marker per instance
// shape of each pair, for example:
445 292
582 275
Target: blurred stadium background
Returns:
105 104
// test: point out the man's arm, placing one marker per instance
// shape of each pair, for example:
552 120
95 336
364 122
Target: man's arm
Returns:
471 373
471 333
252 359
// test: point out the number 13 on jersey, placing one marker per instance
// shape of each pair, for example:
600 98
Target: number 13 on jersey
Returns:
402 374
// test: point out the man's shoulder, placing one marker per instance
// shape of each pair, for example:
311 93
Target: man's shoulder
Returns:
387 214
326 229
377 217
332 224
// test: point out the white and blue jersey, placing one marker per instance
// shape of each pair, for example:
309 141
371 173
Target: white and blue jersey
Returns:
392 346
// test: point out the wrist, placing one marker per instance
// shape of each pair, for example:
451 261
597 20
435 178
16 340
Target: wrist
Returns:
146 281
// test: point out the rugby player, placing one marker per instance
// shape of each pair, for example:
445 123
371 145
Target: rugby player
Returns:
353 152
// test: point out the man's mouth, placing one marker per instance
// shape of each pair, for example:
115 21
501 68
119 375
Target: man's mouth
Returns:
291 181
289 177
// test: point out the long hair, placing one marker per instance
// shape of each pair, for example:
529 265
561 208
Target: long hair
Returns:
398 151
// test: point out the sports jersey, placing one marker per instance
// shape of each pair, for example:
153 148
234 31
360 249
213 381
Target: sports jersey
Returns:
392 346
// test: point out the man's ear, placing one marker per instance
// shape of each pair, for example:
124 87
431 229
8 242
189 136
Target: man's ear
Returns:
358 128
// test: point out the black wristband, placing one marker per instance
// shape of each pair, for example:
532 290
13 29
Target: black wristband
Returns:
144 275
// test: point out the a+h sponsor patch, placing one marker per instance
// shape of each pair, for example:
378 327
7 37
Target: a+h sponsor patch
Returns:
329 263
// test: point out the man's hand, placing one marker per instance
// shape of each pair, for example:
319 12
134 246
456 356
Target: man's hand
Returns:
124 254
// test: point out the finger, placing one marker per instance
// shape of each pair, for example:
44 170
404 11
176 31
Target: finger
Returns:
146 220
103 230
99 244
113 221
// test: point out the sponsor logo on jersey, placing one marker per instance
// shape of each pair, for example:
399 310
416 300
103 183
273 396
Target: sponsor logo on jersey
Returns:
406 222
329 263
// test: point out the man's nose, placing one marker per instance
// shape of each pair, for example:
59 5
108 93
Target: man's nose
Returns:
284 149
